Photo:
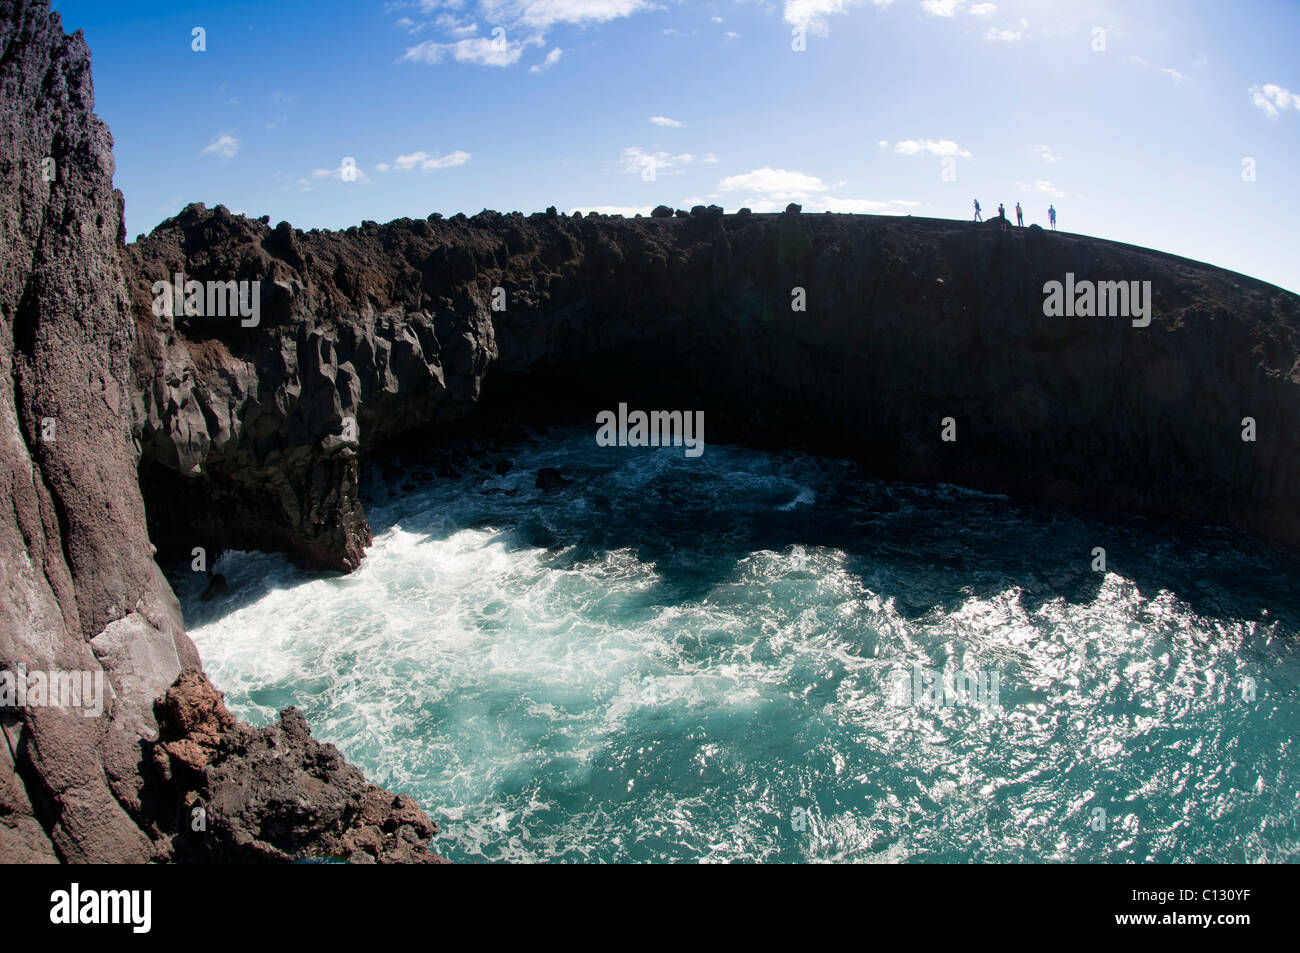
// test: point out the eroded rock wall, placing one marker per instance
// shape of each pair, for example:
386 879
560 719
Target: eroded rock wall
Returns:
908 321
80 592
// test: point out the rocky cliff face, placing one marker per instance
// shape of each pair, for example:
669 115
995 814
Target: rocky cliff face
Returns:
80 592
252 435
383 331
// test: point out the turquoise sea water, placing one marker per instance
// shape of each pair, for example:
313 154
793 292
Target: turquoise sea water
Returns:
727 659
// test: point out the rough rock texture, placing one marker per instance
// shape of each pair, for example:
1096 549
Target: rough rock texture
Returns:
908 321
241 794
245 430
79 588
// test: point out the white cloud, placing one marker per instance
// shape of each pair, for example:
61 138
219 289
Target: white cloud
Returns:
1274 99
428 163
356 173
511 27
941 8
710 158
552 58
1041 185
771 181
811 14
479 50
1046 154
936 147
985 10
224 147
636 160
665 121
1169 71
771 190
994 35
445 162
456 27
541 15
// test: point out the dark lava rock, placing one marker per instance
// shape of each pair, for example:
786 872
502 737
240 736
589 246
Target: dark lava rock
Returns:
271 794
91 598
661 211
549 478
504 466
392 328
217 586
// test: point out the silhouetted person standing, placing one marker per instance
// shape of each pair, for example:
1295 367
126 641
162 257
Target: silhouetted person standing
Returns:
1020 216
977 211
1051 216
1002 211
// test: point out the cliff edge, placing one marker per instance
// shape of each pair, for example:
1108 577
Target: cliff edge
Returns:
922 348
91 634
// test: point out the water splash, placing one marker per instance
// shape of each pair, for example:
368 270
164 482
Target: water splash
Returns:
691 660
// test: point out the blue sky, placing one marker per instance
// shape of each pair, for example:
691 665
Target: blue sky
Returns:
1135 118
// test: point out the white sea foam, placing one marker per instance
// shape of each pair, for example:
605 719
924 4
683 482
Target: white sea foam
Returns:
670 674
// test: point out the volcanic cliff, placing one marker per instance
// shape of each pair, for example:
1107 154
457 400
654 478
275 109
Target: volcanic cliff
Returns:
125 425
253 436
162 772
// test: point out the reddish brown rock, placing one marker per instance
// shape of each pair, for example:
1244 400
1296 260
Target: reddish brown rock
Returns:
79 588
272 794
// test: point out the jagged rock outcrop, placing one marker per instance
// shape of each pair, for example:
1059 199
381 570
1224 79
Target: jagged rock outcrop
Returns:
250 434
80 592
242 794
908 321
254 435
